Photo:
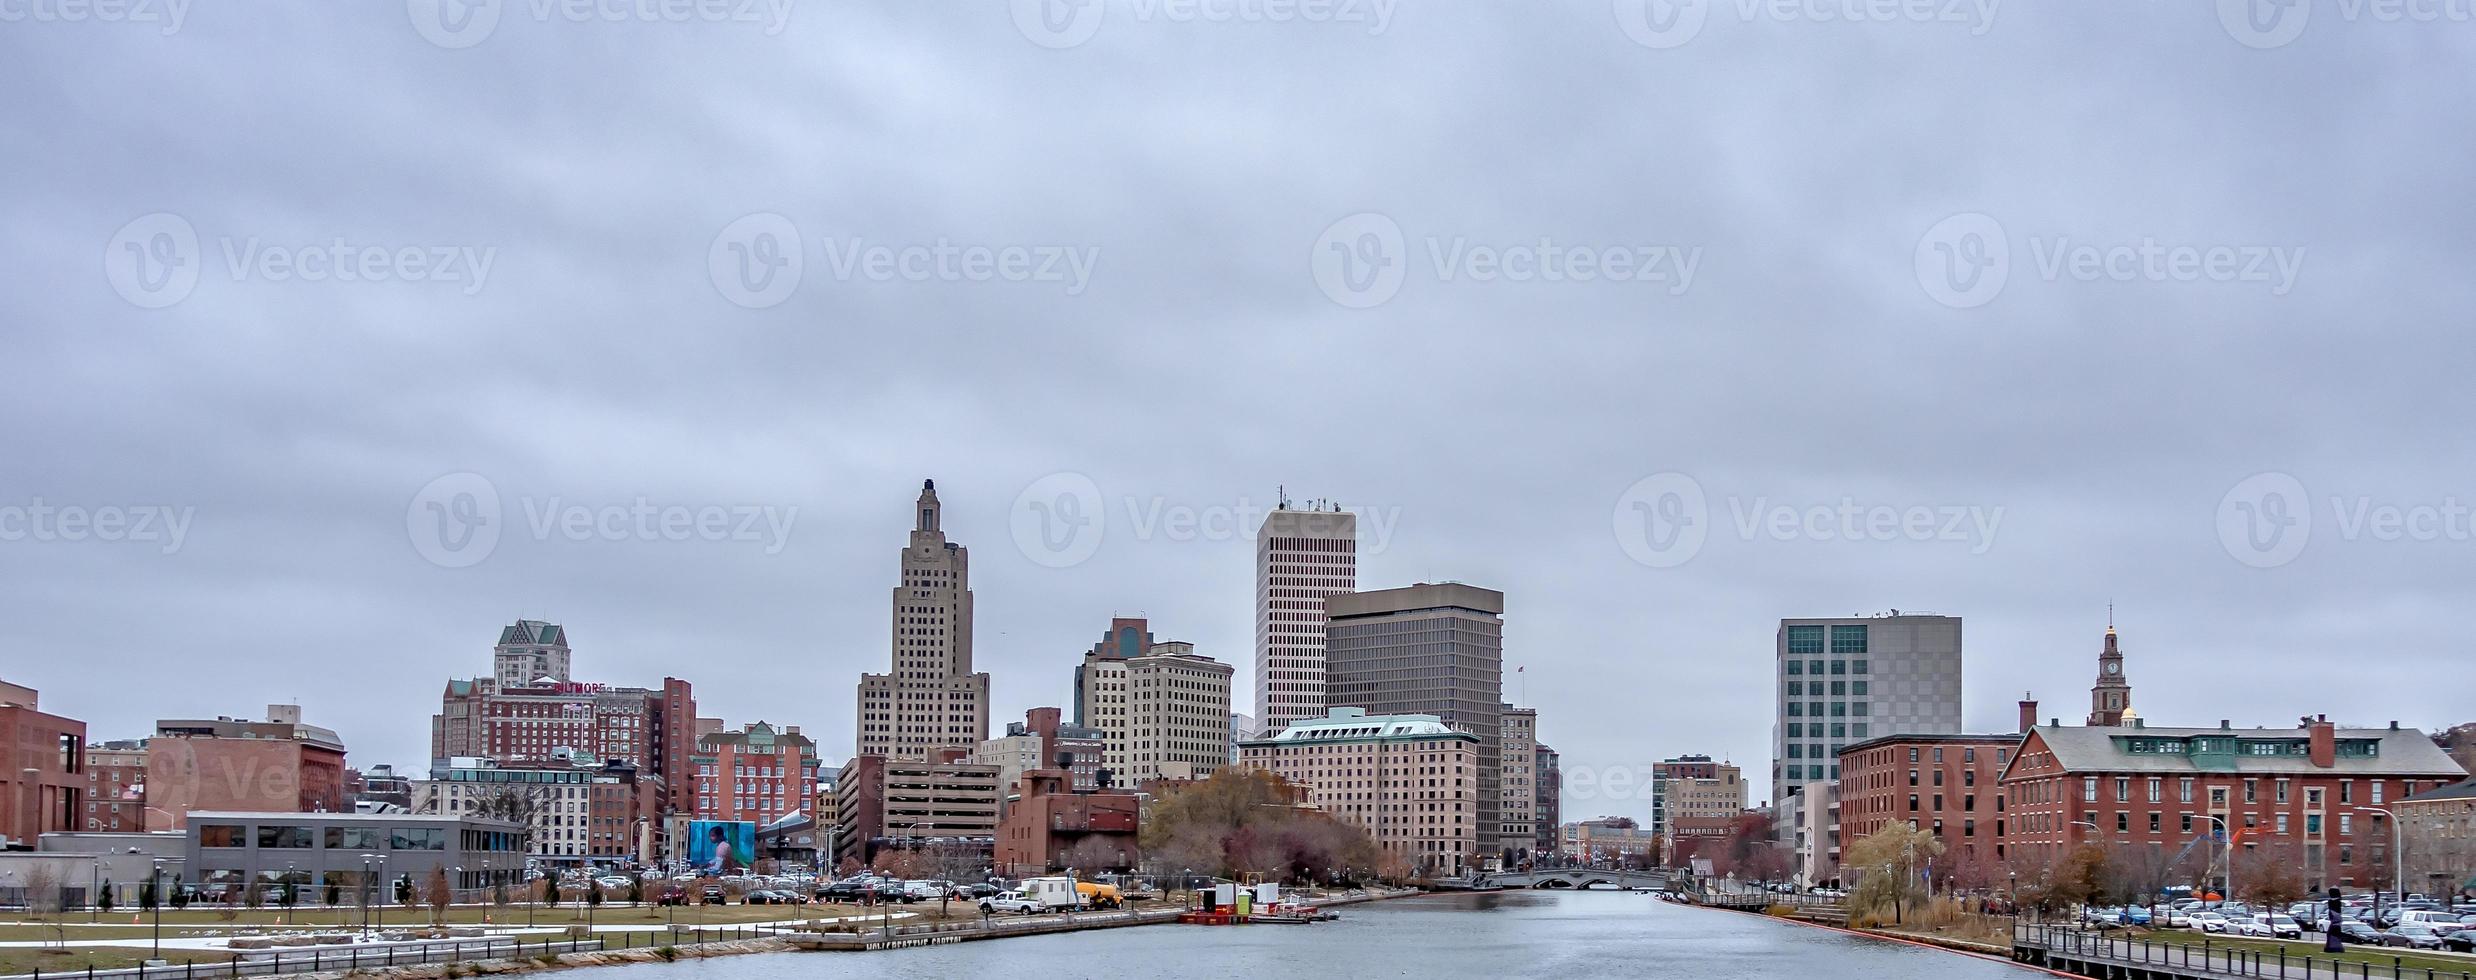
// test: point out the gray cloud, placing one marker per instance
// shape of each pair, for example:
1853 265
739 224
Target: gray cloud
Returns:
2107 415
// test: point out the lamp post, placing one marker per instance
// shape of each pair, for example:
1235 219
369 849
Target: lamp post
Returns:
94 882
154 885
2230 835
2398 859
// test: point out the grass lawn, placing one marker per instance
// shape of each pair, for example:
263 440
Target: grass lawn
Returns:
2381 958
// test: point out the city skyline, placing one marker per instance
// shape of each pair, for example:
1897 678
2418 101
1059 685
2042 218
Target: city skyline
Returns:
1634 800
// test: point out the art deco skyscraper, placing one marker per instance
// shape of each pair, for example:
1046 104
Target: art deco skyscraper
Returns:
932 700
1301 556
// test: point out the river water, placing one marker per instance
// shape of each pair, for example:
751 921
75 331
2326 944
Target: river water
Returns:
1562 934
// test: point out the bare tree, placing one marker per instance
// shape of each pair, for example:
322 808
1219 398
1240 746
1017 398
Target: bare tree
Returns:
440 896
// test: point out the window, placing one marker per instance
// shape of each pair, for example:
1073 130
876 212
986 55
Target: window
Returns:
2184 791
1848 639
353 838
2347 791
1805 639
222 835
2089 789
1968 755
1938 753
2377 787
2123 789
2123 821
1796 729
2156 786
418 839
1857 688
1796 668
2252 791
1796 688
1839 668
1912 758
2153 821
2282 791
2282 823
1860 711
279 835
2187 823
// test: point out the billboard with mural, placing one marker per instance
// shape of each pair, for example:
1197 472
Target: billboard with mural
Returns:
721 846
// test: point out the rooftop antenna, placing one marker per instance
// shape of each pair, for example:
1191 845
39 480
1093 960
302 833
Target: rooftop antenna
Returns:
1282 491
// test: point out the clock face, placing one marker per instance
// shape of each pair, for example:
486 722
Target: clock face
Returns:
2113 669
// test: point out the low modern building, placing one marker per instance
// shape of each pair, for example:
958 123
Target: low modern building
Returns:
228 850
53 748
1409 780
2315 794
1053 828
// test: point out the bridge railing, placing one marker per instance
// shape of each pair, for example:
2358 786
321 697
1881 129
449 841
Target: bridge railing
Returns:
2210 959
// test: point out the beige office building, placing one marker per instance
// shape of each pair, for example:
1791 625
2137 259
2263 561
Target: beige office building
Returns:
1409 780
1162 709
932 699
1301 556
1518 815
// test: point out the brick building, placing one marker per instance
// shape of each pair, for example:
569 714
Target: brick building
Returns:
580 811
1948 784
759 774
55 748
279 765
2303 794
1052 828
1610 841
545 714
116 785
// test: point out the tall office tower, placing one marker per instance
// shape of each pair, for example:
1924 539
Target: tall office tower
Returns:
1428 650
1301 556
932 700
530 653
1850 679
1517 781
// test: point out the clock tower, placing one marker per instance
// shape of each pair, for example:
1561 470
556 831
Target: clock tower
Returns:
2111 696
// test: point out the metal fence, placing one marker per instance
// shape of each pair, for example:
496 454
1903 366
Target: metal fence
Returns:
2210 959
271 962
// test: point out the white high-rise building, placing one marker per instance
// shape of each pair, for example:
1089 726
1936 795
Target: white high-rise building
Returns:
932 699
1301 557
1846 680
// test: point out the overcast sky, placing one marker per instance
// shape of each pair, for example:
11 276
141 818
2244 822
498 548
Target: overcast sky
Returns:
2044 306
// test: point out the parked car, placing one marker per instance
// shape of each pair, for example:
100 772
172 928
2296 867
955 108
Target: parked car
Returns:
1013 901
2249 926
714 895
844 891
2282 926
2359 934
673 895
2174 918
2462 941
2210 922
2413 936
2436 920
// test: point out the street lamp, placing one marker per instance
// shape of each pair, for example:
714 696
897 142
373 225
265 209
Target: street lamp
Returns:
2398 858
154 886
2230 835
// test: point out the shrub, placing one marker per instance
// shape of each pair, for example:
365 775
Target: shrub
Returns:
667 953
